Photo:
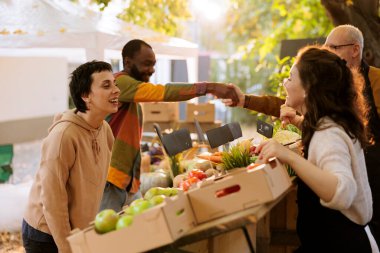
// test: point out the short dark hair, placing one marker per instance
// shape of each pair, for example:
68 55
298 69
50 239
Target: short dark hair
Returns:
81 80
132 47
333 90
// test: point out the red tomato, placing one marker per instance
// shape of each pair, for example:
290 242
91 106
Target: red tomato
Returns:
193 180
184 185
198 174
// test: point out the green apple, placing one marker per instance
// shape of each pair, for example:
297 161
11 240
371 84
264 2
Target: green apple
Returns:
173 191
124 221
163 191
141 207
105 221
169 192
156 200
128 210
136 201
152 192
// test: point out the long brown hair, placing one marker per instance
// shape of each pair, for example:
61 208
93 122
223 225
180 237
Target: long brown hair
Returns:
333 90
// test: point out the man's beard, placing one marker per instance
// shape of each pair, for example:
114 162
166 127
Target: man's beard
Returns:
136 74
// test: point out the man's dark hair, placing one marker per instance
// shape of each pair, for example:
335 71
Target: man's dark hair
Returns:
81 80
132 47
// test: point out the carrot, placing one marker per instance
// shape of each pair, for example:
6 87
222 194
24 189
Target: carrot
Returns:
212 158
216 158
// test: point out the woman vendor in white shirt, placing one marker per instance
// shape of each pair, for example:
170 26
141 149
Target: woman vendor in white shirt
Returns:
334 197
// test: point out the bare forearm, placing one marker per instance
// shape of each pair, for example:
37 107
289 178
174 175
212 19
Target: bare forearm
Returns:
298 121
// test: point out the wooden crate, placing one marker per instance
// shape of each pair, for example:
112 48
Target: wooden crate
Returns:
202 112
160 111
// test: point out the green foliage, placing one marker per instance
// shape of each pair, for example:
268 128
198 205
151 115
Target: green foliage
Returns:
102 3
159 15
290 127
236 157
281 71
257 28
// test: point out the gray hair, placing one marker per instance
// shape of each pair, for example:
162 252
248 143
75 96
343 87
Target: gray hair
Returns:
352 33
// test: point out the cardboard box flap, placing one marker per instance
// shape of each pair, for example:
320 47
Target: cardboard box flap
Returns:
179 215
277 178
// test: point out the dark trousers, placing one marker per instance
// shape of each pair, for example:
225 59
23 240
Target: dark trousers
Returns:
36 241
32 246
372 158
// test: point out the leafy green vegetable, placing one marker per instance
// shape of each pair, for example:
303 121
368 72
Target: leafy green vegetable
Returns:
290 127
236 157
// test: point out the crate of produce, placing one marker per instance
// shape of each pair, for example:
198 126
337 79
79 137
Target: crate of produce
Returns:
245 188
155 227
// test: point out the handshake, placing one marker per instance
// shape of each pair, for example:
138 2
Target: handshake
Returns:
227 92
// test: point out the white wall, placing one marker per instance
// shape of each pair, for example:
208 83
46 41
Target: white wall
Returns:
32 87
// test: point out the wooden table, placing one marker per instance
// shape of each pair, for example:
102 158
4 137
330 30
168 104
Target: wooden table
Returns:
256 218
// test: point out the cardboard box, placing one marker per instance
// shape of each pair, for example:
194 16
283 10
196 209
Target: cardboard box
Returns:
238 190
160 111
201 112
153 228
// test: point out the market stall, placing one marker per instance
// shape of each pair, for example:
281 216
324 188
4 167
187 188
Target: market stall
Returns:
213 196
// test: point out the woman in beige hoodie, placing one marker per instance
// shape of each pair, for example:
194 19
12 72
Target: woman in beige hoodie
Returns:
69 184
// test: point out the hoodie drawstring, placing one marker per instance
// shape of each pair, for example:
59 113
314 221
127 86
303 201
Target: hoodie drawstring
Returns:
95 145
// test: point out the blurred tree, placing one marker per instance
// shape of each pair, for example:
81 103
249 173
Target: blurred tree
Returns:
257 28
364 14
159 15
102 3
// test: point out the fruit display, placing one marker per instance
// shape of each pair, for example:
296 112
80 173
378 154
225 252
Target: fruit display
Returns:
108 220
158 178
186 180
124 221
105 221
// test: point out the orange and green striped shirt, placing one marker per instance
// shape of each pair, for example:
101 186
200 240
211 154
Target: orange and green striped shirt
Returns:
126 124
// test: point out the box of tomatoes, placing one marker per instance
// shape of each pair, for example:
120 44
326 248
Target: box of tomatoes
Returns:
242 189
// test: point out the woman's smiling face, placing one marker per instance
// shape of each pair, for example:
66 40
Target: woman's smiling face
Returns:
295 92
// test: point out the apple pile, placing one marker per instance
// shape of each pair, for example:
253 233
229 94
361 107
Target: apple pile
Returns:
108 220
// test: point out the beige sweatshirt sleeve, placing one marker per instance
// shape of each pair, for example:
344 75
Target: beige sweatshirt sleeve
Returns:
55 168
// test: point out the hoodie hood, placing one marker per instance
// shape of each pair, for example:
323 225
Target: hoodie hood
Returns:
72 117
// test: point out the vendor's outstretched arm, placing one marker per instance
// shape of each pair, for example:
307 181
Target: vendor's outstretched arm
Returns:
269 105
